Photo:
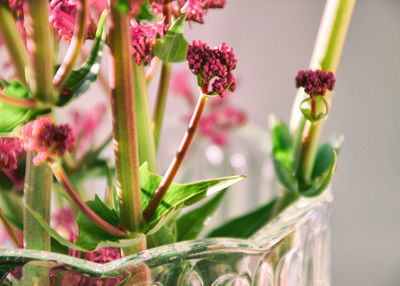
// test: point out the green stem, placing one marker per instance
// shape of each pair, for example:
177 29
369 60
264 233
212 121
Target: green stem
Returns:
162 92
177 161
37 197
124 122
284 200
40 47
38 178
75 46
147 150
326 56
161 101
14 43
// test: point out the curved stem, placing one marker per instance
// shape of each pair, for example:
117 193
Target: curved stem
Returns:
19 102
176 162
152 69
61 177
75 46
14 43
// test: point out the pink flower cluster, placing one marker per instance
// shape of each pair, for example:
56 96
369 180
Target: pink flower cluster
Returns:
11 152
214 66
49 140
195 9
217 124
315 82
143 38
63 16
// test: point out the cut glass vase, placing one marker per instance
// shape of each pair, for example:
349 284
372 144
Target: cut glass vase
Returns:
291 250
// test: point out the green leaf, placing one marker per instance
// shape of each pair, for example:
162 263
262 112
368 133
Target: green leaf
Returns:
246 225
122 6
192 223
178 195
325 156
92 237
280 134
163 236
146 13
285 175
11 116
282 157
172 47
12 206
322 108
322 182
79 80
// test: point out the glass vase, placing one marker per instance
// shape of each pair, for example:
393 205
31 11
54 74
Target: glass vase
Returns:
291 250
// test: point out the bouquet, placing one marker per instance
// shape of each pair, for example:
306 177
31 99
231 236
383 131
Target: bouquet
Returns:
46 166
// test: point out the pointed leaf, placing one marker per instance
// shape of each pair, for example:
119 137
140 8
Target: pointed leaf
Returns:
177 194
246 225
78 81
325 156
163 236
192 223
322 182
285 175
92 237
172 47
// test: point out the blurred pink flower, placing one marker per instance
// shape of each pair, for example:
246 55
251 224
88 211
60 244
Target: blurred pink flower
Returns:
217 124
48 139
85 124
11 152
181 85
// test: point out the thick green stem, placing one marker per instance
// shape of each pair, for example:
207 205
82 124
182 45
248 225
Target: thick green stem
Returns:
37 197
38 178
177 161
75 47
147 150
40 47
124 122
326 56
14 43
161 101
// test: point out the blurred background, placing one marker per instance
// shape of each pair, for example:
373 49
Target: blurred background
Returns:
275 39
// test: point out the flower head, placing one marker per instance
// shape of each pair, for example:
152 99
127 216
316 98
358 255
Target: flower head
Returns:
213 66
217 125
11 153
315 82
49 140
143 38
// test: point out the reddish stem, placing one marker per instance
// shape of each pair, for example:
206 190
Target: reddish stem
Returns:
18 102
176 162
69 189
